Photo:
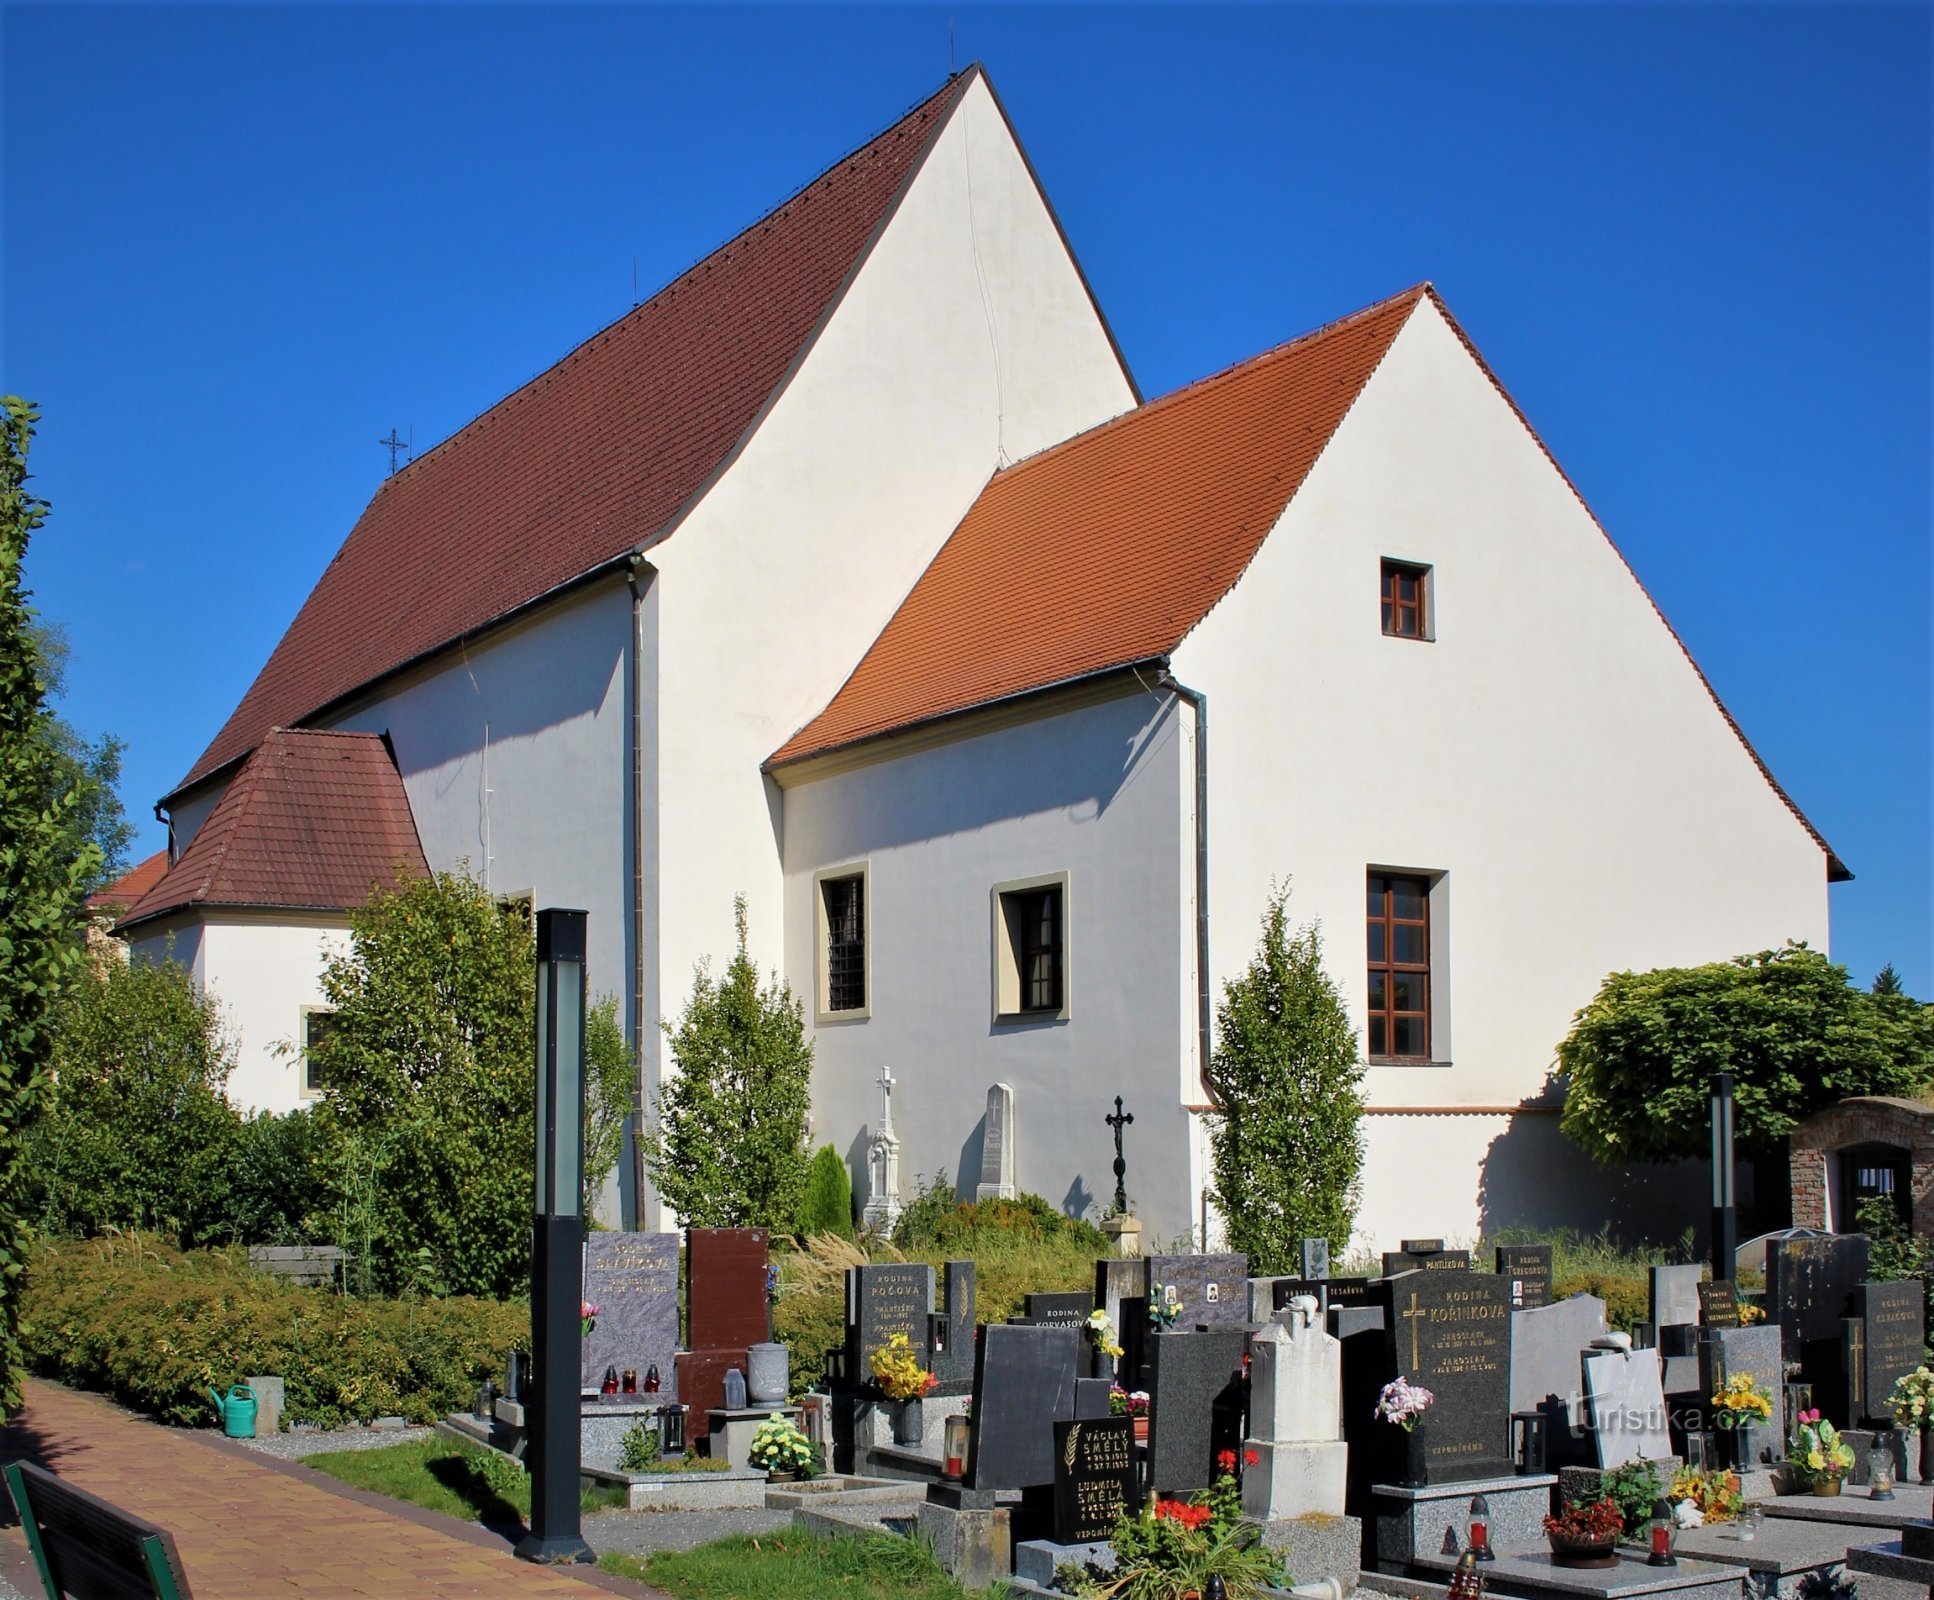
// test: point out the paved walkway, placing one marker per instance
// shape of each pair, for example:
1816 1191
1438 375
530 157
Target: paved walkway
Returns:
252 1528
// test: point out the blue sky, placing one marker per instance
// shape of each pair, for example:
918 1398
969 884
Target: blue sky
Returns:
243 242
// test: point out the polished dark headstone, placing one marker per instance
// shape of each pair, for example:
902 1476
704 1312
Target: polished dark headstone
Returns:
1024 1381
1195 1405
1212 1289
1327 1292
1810 1284
1451 1333
632 1278
1091 1397
701 1385
725 1288
1883 1343
952 1348
1528 1267
882 1300
1433 1259
1719 1303
1094 1478
1071 1308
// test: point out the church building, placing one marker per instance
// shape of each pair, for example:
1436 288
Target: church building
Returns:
852 573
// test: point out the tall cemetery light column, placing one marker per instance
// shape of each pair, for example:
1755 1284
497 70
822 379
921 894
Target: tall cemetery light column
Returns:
1725 1228
557 1244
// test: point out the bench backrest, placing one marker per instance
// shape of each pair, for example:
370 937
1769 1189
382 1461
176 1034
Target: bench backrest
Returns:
88 1549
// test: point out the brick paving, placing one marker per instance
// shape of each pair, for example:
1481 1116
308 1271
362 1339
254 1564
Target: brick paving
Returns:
252 1528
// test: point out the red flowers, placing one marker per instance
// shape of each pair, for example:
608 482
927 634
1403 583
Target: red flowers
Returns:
1594 1523
1191 1517
1225 1460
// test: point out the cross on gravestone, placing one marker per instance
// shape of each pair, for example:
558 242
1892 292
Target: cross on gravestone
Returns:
1118 1121
882 1207
997 1146
632 1278
1528 1266
1883 1343
1452 1335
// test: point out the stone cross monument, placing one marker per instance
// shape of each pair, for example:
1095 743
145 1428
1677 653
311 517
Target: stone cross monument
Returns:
883 1163
1295 1419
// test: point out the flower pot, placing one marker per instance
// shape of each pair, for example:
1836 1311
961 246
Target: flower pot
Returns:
774 1475
1728 1446
1826 1485
1591 1554
1415 1472
909 1423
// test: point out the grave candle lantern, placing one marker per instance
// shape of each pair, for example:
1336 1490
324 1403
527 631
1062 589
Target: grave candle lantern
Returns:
671 1430
1664 1528
956 1445
1480 1529
1880 1468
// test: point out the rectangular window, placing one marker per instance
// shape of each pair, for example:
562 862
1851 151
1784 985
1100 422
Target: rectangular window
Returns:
1398 938
1031 948
1404 595
316 1025
844 905
1039 913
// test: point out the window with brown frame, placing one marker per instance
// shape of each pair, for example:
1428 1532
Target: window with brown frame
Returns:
845 902
1398 936
316 1025
1403 600
1038 915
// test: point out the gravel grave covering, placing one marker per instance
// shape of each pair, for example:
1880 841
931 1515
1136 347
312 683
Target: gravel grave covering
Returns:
292 1444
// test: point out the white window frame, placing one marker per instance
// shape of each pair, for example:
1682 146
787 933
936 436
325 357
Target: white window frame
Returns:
823 1014
304 1013
1006 958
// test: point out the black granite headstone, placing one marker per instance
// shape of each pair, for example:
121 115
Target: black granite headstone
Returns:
1810 1284
1451 1333
1068 1308
1437 1260
1094 1478
1195 1405
1884 1344
1211 1290
1719 1303
1528 1267
953 1350
1023 1384
880 1302
1091 1397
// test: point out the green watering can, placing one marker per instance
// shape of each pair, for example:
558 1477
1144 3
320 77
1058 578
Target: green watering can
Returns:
238 1410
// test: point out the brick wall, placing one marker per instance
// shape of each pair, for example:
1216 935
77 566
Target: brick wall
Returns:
1873 1119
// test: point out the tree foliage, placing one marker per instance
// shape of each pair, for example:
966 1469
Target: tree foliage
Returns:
1795 1035
727 1147
90 768
828 1206
429 1086
1887 981
1286 1136
138 1135
43 877
610 1085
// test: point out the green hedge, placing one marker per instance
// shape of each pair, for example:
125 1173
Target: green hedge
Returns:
157 1328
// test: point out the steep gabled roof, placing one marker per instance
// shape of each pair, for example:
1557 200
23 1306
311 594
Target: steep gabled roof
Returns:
590 461
1107 549
117 896
312 822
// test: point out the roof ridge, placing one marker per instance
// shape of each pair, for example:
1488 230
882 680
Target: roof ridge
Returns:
953 82
1290 346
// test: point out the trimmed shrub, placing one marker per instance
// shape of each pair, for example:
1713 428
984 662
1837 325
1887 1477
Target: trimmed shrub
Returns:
936 1220
155 1328
828 1207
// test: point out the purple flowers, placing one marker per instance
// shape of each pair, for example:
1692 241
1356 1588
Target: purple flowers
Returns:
1403 1403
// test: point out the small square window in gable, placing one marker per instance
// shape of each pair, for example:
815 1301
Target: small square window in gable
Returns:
1406 600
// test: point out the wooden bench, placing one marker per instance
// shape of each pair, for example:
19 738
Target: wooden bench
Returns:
87 1549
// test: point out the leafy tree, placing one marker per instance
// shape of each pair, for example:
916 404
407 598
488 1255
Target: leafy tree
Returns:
1887 981
43 878
430 1089
728 1144
1286 1136
91 769
138 1134
828 1206
610 1086
1795 1035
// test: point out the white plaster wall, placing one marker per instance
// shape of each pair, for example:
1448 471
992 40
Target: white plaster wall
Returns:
514 757
779 580
1552 751
171 939
1094 793
190 811
264 974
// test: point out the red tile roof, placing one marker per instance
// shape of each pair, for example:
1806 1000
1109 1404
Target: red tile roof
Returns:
130 886
1107 550
312 822
592 460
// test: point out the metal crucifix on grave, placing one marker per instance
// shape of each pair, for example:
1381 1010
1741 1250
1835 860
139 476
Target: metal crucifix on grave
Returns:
1118 1121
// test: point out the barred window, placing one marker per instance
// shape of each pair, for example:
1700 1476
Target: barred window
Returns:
845 903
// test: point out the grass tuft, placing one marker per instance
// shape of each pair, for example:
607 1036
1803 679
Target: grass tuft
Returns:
441 1475
797 1566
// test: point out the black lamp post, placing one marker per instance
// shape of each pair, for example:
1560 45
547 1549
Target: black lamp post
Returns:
557 1244
1725 1232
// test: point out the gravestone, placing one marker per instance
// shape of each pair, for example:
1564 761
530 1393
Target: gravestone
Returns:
1091 1398
1884 1341
1195 1405
952 1348
1316 1258
1451 1333
882 1300
632 1278
997 1146
725 1289
1810 1284
1425 1255
1211 1290
1121 1287
1756 1353
1548 1345
1626 1407
1295 1399
1675 1295
1058 1307
1023 1384
1528 1267
1094 1478
1719 1303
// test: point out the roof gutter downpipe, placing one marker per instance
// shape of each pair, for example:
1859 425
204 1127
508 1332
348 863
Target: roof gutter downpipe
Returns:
1199 704
638 580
